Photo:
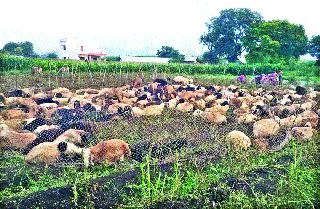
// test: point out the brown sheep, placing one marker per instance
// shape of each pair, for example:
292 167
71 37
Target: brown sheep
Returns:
110 151
14 140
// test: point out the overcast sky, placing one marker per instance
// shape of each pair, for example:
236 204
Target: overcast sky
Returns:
135 27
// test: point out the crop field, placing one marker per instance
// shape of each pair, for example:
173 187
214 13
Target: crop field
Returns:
178 160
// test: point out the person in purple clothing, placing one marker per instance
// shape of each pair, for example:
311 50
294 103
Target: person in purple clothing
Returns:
273 78
241 79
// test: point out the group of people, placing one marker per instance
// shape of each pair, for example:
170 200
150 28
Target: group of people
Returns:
274 78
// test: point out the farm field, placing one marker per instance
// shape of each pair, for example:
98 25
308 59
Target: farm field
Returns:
185 160
159 105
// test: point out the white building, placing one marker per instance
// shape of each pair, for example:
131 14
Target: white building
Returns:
71 48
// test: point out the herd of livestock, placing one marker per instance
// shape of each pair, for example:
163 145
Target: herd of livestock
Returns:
47 126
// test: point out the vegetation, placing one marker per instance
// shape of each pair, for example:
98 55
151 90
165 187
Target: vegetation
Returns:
112 58
10 63
170 52
225 32
274 41
50 55
20 49
315 48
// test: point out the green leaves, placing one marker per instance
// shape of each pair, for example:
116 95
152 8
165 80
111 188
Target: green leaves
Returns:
275 41
225 32
314 48
9 63
20 49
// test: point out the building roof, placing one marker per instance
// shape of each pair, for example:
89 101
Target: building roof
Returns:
94 54
144 59
190 59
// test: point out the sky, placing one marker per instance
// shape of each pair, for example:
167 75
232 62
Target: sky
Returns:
135 27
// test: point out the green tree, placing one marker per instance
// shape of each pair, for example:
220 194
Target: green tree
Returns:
51 55
20 49
225 32
27 49
276 39
10 47
267 51
208 57
168 52
314 48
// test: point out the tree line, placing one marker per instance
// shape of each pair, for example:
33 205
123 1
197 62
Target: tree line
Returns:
229 36
25 49
240 31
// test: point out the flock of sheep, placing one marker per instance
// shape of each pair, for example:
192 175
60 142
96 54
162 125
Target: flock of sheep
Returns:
58 124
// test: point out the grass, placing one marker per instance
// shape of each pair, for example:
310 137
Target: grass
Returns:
187 181
296 188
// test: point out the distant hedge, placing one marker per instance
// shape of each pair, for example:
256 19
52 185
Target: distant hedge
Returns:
8 63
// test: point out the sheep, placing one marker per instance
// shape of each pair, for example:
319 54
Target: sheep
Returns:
51 152
14 140
214 117
246 118
266 127
137 82
303 133
13 114
153 110
238 139
185 107
110 151
182 80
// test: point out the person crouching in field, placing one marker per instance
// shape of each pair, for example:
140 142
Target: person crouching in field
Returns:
241 79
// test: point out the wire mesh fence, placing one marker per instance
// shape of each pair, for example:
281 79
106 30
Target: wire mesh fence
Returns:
174 131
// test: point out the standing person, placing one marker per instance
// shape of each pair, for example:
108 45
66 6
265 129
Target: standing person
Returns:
241 79
280 77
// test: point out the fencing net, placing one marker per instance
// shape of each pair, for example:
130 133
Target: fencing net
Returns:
199 140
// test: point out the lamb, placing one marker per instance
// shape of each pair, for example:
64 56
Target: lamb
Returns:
238 139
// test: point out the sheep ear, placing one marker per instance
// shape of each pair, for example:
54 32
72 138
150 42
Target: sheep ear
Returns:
62 146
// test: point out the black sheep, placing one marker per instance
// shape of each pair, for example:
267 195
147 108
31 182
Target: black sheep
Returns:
211 88
16 93
224 103
58 95
218 95
33 125
301 90
262 111
189 88
45 100
161 81
241 94
44 136
180 89
285 113
80 125
2 98
142 97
